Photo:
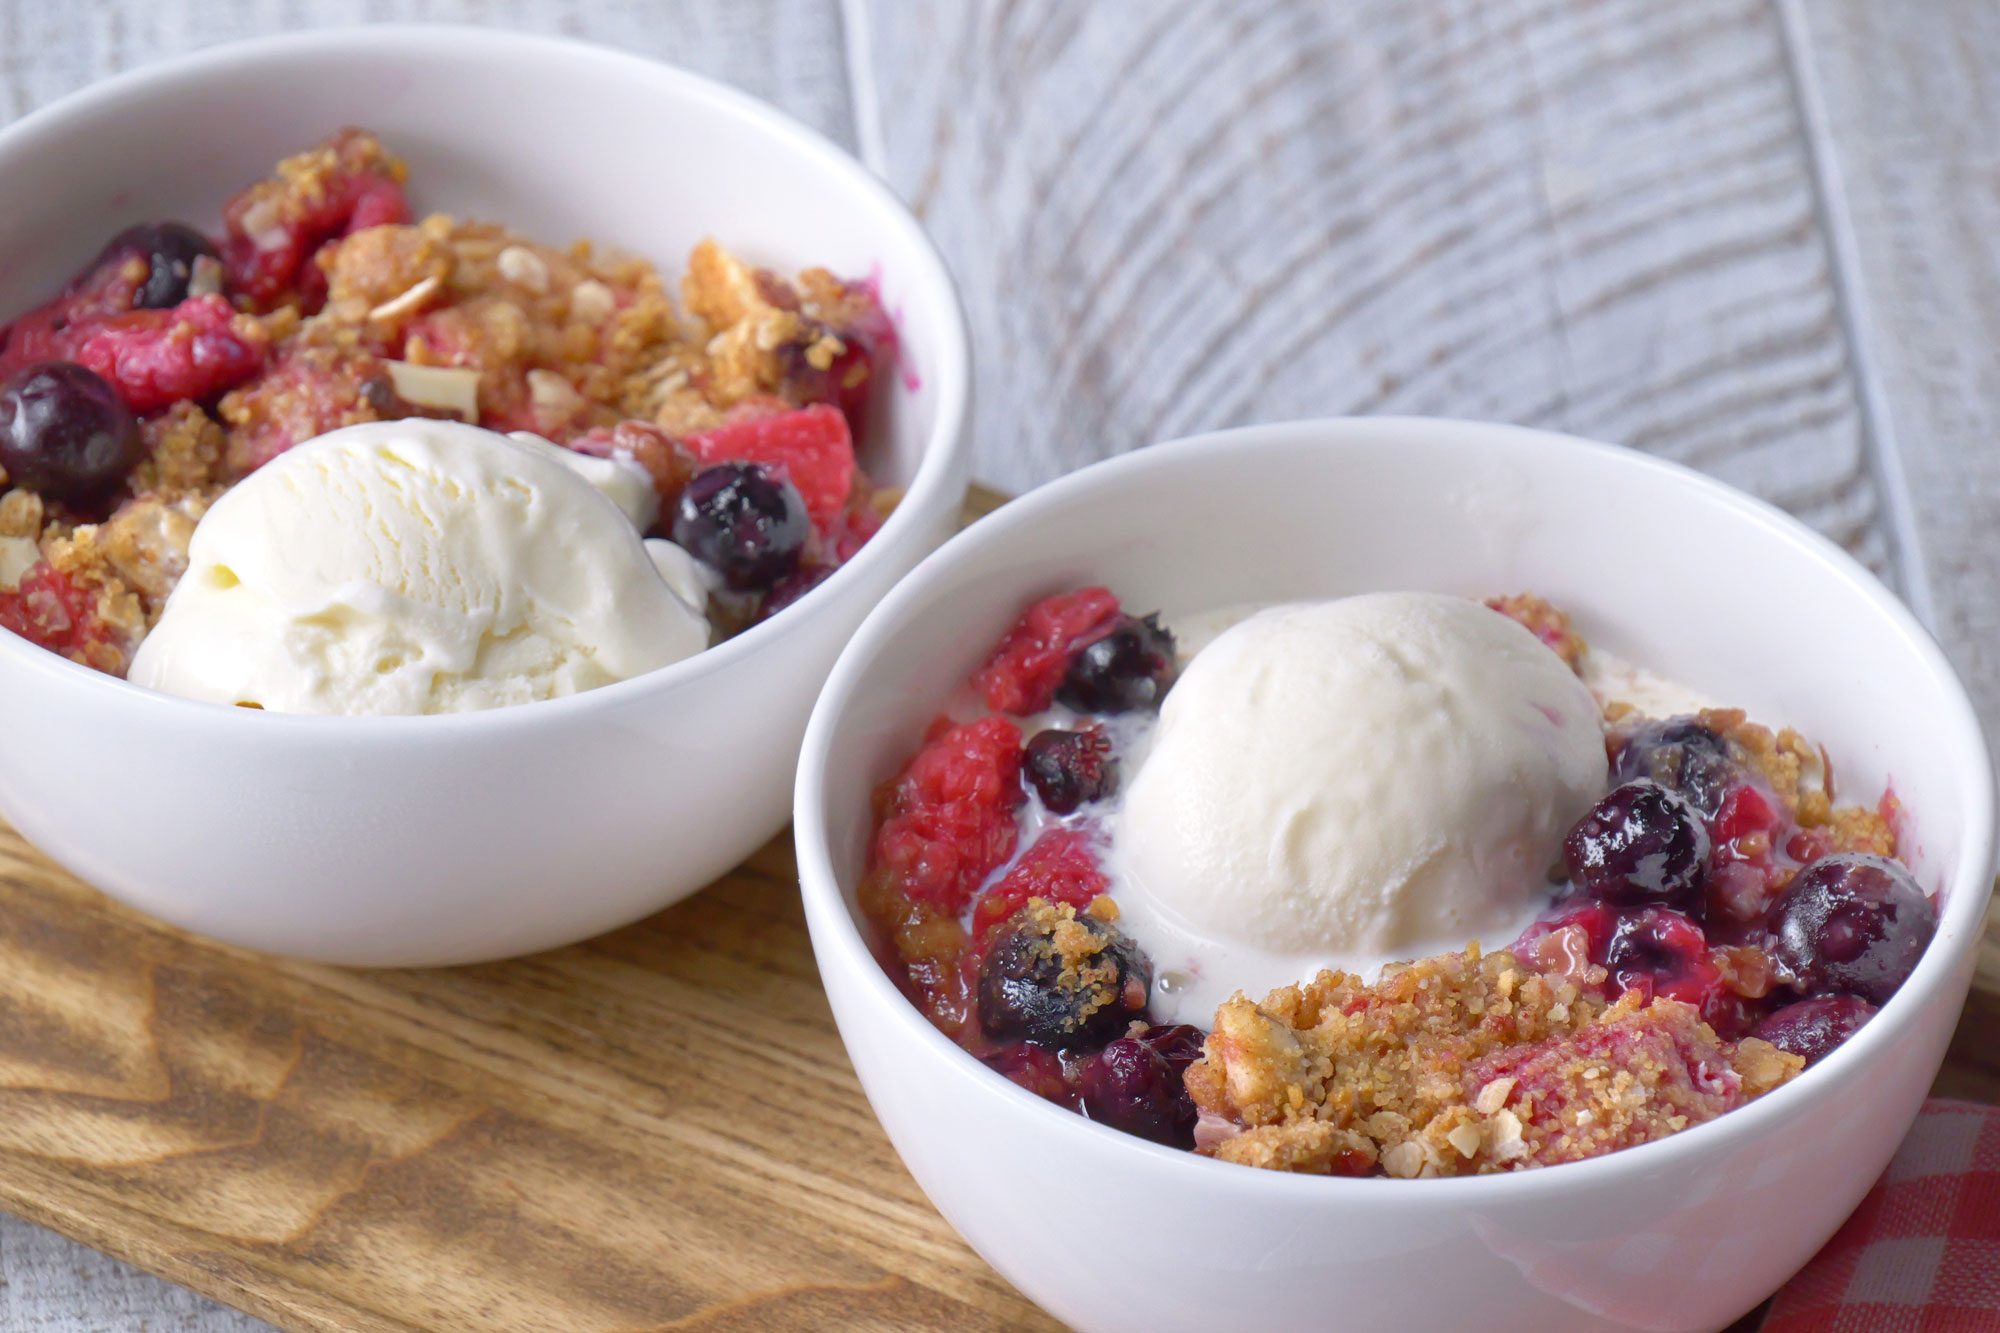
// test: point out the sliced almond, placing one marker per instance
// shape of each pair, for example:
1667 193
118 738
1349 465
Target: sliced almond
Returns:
446 388
1465 1138
1507 1141
551 393
261 223
17 556
204 277
591 301
21 514
524 267
1404 1160
397 306
1493 1096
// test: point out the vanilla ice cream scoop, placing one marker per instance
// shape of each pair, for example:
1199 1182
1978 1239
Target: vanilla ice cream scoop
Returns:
416 567
1379 776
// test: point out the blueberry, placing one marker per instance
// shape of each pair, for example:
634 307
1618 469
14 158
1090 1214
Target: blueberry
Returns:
1128 670
65 432
1811 1028
169 249
1061 980
1683 756
1663 953
1640 845
1070 768
1851 923
745 521
1134 1084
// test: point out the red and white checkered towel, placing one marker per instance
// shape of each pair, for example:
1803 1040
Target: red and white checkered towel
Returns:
1922 1252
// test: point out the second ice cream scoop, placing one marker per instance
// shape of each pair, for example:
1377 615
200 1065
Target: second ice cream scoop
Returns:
1376 775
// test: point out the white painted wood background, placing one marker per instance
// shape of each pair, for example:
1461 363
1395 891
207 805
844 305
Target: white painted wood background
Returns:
1757 236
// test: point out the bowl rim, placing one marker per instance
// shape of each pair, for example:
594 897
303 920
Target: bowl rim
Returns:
929 488
839 943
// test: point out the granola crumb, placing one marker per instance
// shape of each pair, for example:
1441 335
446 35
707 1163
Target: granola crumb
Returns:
1546 622
1801 776
1461 1064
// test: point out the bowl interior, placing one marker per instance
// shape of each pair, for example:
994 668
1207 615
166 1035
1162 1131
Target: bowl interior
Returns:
1657 564
557 140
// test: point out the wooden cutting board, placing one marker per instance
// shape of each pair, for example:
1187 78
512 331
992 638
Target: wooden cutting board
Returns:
654 1129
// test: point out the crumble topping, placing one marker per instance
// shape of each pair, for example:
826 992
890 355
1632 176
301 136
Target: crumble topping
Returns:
1082 954
1460 1064
84 558
1801 776
1546 622
185 449
302 182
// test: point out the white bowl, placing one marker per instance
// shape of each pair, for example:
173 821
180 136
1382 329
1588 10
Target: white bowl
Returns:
421 840
1658 564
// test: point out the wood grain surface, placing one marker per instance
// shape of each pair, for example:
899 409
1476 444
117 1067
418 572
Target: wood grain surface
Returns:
656 1129
1912 111
1597 217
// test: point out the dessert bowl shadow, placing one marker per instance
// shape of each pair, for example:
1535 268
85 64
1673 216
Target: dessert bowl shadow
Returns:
430 840
1657 564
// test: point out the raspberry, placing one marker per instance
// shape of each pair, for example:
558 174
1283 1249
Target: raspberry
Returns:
1569 944
273 229
1648 949
853 313
52 610
47 332
862 520
1659 952
1660 1056
190 353
306 392
1739 893
811 445
1024 672
1038 1070
1060 868
950 817
1744 811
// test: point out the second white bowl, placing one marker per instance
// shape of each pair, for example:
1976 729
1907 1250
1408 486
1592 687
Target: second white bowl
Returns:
1660 565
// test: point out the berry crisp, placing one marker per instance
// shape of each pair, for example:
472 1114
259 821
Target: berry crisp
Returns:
1718 922
177 363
